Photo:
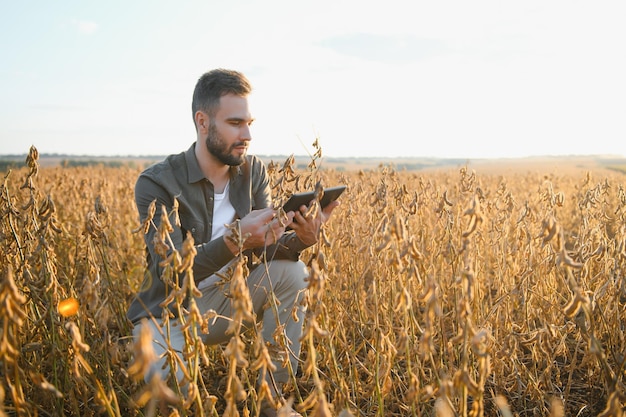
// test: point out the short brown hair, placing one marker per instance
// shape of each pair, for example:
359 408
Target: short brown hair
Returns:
212 85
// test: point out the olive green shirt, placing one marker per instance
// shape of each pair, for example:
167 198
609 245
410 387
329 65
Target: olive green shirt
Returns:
179 177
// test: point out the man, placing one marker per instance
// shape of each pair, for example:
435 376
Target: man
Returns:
215 183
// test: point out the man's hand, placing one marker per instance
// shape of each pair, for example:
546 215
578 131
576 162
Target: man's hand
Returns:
307 227
260 228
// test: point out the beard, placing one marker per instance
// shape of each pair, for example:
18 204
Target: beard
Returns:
216 147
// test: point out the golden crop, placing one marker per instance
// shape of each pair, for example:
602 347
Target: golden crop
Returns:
450 293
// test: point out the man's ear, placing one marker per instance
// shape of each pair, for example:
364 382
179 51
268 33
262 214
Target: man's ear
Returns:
202 121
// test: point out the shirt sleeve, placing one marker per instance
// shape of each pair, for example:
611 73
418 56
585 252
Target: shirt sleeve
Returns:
289 246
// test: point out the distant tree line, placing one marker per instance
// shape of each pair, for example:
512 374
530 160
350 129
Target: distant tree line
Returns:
70 163
7 164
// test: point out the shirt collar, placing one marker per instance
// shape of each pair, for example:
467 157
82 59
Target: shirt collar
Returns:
194 173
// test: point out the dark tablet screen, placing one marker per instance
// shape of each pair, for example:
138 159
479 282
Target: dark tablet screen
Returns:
299 199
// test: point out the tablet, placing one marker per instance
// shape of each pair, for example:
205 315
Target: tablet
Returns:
299 199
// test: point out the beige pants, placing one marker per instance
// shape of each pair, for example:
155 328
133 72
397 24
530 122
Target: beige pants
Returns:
286 279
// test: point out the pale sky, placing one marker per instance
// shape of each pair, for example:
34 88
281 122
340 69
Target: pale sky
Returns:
445 79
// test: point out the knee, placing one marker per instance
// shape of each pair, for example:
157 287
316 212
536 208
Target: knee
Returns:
289 276
298 274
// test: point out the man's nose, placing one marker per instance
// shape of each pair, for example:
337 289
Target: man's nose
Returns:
245 133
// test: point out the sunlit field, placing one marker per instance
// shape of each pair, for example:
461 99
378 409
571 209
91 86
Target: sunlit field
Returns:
443 293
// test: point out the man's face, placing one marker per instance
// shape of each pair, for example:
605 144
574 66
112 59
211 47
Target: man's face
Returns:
229 131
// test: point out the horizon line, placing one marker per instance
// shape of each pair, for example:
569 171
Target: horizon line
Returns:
161 156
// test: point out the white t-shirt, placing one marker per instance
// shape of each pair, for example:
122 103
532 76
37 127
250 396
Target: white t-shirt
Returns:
223 213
